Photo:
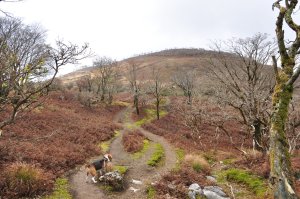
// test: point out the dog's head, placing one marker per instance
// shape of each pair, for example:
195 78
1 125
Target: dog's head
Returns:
108 157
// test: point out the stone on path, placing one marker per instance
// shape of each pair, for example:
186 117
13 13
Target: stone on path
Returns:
136 181
113 179
133 189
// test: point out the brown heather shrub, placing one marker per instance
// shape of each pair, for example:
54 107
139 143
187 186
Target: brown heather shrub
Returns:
25 180
182 179
133 141
58 136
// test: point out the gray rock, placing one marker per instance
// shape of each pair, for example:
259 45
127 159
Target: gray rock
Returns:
214 192
194 190
114 179
211 179
194 187
216 189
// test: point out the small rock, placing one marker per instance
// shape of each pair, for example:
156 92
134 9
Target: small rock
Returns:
211 179
133 189
214 192
136 181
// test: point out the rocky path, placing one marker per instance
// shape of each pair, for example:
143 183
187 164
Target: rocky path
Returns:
137 168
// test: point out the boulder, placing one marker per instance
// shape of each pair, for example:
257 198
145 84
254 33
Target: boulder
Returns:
214 192
113 179
194 191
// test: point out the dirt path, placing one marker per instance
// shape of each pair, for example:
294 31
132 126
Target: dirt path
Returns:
137 168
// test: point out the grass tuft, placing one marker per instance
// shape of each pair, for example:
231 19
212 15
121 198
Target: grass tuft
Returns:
121 169
61 190
156 156
197 162
254 183
151 192
104 146
197 167
139 154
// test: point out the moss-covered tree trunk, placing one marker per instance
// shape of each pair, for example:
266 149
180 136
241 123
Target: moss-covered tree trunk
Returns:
281 172
281 175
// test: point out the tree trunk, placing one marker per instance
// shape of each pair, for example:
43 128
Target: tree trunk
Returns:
157 108
110 98
190 98
257 136
102 97
281 176
102 94
136 103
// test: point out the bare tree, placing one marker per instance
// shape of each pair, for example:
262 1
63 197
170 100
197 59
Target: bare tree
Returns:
106 76
28 66
281 172
85 83
135 85
243 81
205 113
10 1
185 80
156 88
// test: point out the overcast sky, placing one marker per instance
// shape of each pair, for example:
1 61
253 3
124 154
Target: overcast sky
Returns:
123 28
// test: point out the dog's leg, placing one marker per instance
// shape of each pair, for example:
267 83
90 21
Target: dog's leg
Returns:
93 178
87 177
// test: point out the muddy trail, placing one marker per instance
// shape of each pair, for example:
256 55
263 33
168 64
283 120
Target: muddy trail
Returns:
138 170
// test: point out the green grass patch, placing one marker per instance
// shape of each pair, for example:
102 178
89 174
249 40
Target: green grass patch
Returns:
228 161
61 190
121 169
151 192
150 116
140 153
157 156
180 156
197 167
104 146
253 183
